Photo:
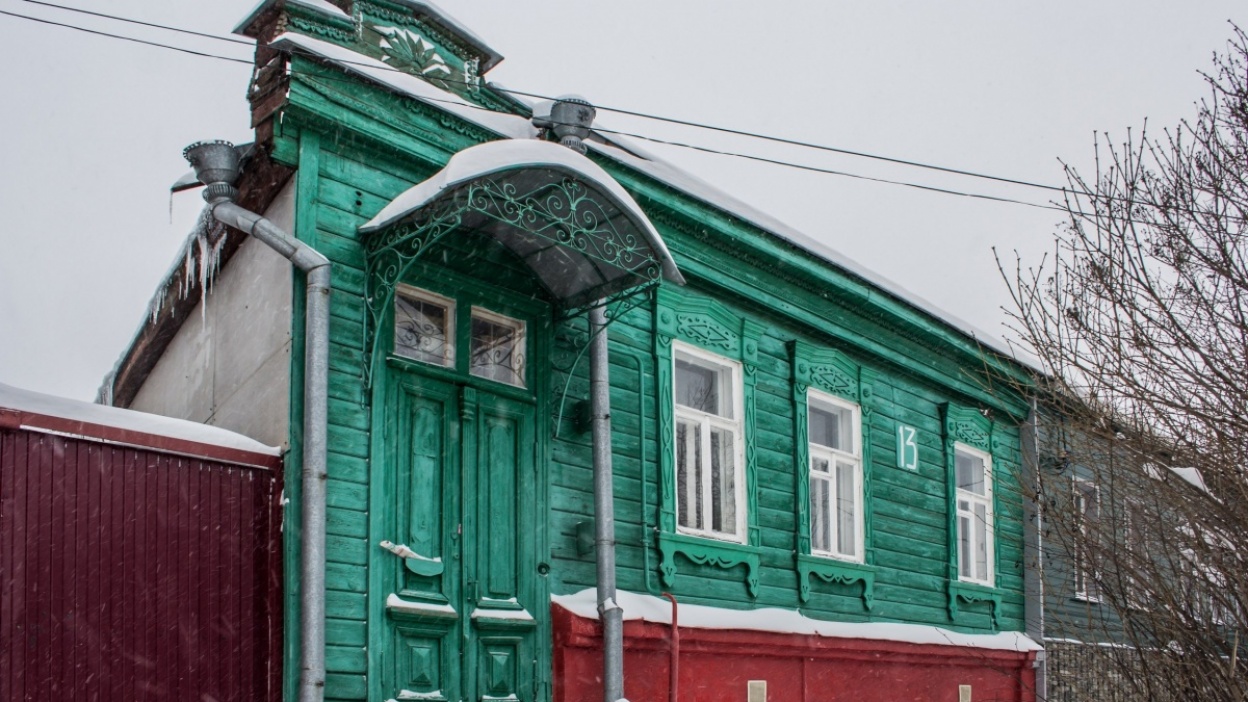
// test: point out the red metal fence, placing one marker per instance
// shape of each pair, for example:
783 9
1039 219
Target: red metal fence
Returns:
136 574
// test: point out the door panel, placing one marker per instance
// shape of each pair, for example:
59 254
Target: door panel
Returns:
463 626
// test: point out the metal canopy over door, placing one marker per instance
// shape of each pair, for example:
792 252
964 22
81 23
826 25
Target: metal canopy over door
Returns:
462 618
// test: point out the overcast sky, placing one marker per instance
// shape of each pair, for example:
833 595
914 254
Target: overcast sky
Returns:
92 128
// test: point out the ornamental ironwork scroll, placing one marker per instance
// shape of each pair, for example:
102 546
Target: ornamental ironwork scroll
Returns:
563 211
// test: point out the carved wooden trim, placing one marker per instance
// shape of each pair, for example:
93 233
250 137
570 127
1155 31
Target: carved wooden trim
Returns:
703 551
830 570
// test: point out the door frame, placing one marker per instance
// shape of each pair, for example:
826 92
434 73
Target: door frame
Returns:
389 370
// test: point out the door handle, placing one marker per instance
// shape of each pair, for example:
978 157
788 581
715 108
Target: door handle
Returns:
418 564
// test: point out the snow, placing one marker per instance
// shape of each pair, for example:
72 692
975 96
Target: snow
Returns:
505 125
321 6
495 156
517 614
402 551
409 695
444 18
398 603
788 621
129 420
628 154
1193 477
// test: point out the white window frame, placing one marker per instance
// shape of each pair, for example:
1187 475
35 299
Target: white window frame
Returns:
814 398
421 295
707 421
1082 570
989 528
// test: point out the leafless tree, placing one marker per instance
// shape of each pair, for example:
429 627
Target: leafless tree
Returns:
1139 322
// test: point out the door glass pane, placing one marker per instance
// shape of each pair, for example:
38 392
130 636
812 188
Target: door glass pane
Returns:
497 348
424 326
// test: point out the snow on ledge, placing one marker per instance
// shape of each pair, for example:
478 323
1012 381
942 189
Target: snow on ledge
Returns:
37 403
788 621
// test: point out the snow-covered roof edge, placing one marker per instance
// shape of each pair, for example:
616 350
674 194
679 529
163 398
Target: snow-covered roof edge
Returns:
787 621
321 6
92 421
496 156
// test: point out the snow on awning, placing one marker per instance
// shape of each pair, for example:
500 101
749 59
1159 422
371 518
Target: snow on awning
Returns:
575 227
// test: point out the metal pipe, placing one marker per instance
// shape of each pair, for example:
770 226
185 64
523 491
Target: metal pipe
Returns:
609 612
673 682
217 166
315 436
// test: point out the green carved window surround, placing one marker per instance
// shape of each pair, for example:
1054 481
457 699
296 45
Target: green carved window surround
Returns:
712 327
976 429
830 372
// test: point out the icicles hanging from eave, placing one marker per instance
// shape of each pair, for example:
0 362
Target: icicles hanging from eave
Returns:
195 267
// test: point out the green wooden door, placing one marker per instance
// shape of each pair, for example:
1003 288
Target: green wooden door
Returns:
460 623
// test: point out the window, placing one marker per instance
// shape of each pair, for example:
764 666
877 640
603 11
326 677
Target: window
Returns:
973 473
424 326
834 431
497 347
1087 504
709 446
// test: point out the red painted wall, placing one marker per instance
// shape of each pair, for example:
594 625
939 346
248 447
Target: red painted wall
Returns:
130 573
716 665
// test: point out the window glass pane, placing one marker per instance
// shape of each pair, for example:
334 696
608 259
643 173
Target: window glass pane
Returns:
970 470
820 465
981 542
846 509
832 426
723 484
964 546
497 348
704 386
688 484
820 527
422 326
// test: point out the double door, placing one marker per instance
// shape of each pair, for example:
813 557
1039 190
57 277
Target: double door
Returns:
464 598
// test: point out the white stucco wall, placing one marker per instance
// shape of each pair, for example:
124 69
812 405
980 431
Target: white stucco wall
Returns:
229 364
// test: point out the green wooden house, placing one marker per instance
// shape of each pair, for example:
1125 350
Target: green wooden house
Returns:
821 471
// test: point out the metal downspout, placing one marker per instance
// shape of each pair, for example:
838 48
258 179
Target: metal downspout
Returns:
1033 548
609 612
217 166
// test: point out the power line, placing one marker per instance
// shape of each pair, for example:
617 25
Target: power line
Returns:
118 18
135 40
635 113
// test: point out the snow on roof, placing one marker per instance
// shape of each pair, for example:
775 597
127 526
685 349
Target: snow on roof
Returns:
495 156
788 621
86 413
505 125
442 17
625 152
1193 477
321 6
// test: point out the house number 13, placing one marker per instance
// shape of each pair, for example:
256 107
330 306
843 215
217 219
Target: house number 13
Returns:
907 448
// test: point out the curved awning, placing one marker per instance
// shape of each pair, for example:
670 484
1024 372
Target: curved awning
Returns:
577 229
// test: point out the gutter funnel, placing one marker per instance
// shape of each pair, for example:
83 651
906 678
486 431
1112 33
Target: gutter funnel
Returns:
217 165
570 120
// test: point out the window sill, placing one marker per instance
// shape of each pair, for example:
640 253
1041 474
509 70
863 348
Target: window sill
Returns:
704 550
833 570
970 593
